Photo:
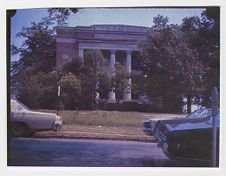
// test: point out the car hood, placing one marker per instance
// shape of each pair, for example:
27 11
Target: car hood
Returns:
41 113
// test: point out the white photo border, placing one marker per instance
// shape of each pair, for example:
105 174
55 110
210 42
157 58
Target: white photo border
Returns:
69 171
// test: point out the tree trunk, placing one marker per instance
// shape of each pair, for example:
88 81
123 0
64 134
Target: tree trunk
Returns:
172 104
188 104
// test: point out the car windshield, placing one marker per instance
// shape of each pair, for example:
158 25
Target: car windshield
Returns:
199 113
18 106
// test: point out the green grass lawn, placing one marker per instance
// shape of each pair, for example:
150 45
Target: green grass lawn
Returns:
108 118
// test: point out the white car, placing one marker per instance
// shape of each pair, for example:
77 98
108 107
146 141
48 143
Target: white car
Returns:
25 122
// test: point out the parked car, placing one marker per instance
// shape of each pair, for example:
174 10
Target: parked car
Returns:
185 138
25 122
149 125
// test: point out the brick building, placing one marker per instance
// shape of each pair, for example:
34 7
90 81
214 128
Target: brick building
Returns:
118 42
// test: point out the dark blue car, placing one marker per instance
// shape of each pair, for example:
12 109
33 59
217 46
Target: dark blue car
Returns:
185 138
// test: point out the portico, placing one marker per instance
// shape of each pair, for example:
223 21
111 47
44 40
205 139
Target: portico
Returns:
113 38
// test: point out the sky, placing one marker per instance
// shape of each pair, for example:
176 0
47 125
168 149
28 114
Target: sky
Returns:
89 16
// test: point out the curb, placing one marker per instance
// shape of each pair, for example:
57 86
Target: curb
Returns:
101 136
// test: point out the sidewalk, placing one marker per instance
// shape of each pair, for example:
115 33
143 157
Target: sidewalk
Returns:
97 132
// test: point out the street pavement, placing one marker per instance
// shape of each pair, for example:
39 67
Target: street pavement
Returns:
89 153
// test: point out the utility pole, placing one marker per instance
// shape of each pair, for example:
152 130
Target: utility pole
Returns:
215 104
58 97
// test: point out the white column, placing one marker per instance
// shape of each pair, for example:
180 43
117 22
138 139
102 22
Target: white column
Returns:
112 61
111 94
81 54
128 61
127 89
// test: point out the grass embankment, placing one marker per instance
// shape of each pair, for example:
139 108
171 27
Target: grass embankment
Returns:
104 124
108 118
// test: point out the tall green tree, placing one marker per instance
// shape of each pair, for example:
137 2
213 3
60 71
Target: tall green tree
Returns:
37 60
37 57
171 68
203 35
94 77
38 50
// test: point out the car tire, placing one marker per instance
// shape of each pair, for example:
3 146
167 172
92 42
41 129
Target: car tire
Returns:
20 129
